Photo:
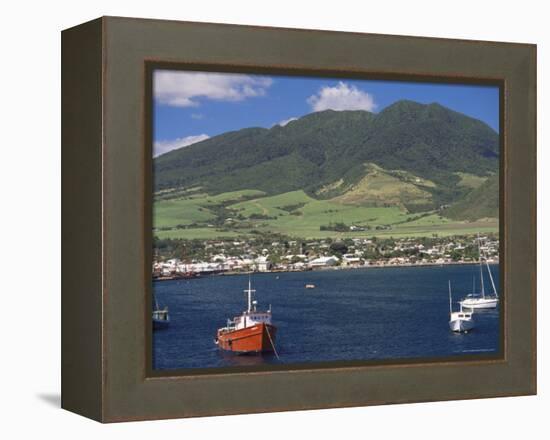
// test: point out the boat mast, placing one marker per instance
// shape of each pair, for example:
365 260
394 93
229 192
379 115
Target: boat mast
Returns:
156 302
450 300
480 267
249 291
491 277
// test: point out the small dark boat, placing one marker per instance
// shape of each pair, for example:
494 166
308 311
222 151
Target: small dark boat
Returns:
161 318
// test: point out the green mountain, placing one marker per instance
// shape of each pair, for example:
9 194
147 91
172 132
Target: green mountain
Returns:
420 149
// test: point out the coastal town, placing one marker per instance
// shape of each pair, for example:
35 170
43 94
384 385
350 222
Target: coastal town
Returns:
175 259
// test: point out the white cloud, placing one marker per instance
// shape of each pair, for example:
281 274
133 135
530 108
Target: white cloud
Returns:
341 97
161 147
197 116
286 121
185 89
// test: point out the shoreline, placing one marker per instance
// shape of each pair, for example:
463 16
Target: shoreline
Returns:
320 269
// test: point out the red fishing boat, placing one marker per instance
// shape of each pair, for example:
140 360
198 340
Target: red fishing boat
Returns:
251 332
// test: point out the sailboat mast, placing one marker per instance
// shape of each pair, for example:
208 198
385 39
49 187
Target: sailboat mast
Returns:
156 302
491 277
249 295
450 299
480 267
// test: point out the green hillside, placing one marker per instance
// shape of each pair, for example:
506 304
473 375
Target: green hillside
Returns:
380 187
481 202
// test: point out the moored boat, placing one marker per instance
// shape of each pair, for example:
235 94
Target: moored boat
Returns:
475 302
460 321
251 332
482 300
161 318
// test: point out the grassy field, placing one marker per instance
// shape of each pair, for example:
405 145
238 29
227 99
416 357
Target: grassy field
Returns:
274 205
306 220
470 180
448 228
295 214
171 213
199 233
193 209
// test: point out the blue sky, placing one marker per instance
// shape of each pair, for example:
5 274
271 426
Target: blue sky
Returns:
192 106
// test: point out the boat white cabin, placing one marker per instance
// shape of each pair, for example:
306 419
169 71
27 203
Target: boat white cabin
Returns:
461 321
161 318
251 316
249 319
161 315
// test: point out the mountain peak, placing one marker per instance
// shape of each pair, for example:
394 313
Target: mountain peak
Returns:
405 104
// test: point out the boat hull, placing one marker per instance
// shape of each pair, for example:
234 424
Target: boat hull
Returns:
461 325
255 339
487 303
159 324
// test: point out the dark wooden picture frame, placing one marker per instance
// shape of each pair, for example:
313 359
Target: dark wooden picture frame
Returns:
106 214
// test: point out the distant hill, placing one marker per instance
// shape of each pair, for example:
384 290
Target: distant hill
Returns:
421 150
481 202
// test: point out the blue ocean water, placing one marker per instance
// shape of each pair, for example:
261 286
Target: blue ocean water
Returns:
358 314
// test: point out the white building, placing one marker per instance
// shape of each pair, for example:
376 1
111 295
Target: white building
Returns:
324 261
263 264
172 263
351 259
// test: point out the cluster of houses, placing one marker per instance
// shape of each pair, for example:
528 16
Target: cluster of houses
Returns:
217 265
221 264
403 252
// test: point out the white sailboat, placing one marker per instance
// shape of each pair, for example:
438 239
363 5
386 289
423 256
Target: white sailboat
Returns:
481 300
459 321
